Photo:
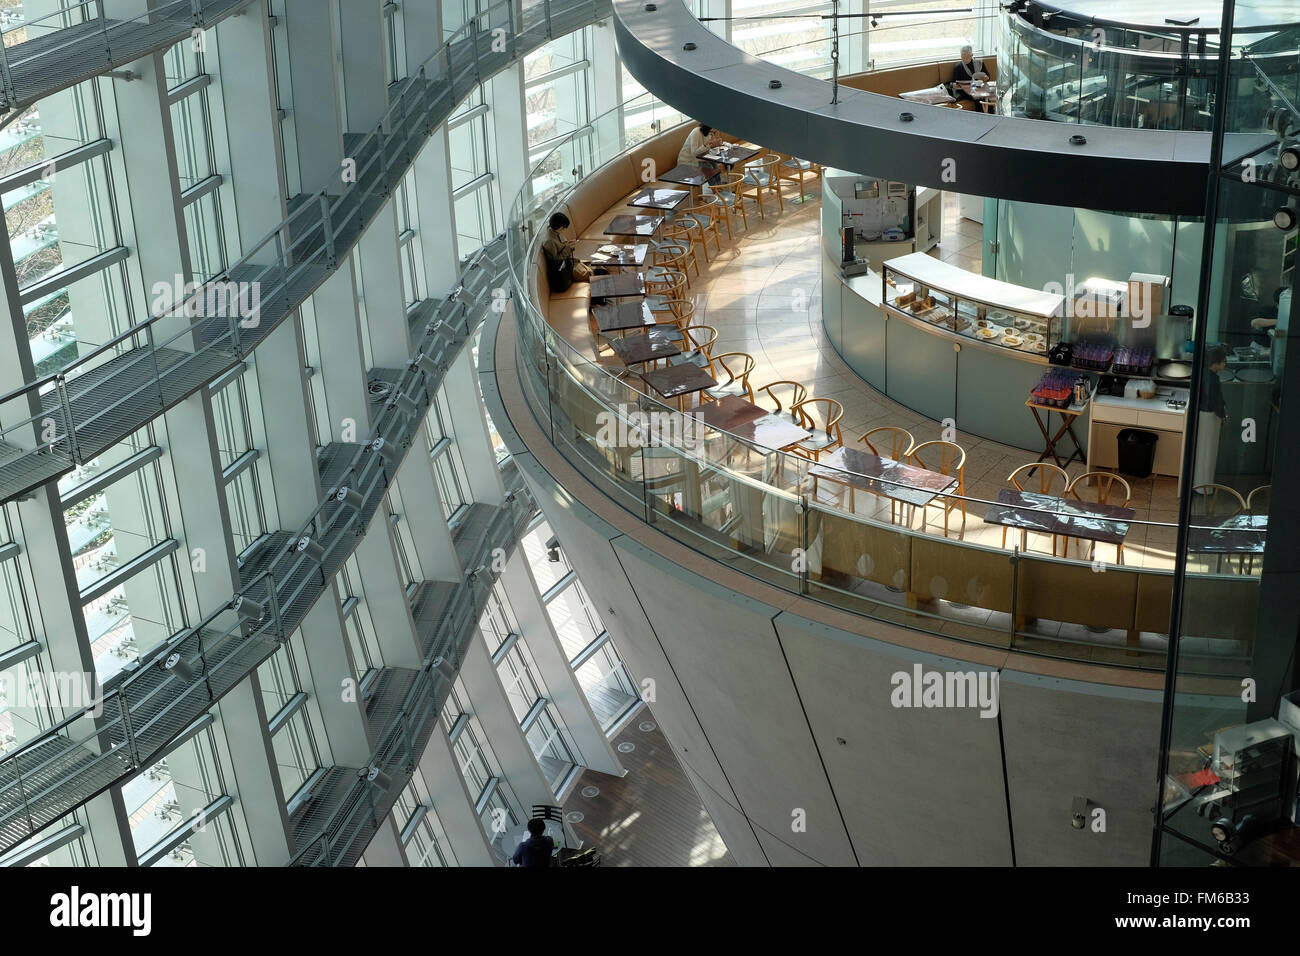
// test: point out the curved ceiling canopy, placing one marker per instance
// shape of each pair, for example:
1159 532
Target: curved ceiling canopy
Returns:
1127 170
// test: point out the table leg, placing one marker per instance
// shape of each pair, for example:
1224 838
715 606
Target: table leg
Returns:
1051 444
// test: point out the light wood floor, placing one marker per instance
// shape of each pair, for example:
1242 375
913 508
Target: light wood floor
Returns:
650 817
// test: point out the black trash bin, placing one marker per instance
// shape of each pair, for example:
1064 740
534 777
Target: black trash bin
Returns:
1137 452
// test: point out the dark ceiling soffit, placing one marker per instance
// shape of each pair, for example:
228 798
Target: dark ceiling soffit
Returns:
1122 170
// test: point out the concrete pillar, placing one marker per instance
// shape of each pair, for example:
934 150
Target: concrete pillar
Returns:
385 849
313 123
429 531
386 595
364 64
257 783
341 362
383 303
595 751
435 208
509 122
454 803
289 428
329 666
472 437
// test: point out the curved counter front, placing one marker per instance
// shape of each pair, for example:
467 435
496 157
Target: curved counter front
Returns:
931 370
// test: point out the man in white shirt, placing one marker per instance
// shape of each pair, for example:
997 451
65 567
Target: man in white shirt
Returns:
698 142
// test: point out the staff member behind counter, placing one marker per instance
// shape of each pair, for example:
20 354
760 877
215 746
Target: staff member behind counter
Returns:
967 69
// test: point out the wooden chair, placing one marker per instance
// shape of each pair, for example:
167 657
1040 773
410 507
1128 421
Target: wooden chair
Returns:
889 441
1105 484
662 287
674 254
760 178
1216 501
735 368
730 201
771 392
702 220
1259 499
946 458
675 315
821 416
678 231
697 347
1047 476
797 170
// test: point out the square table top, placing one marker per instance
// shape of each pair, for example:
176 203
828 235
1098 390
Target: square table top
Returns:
628 314
644 347
929 97
691 174
1051 515
909 484
676 380
751 423
617 285
732 154
627 225
613 254
1240 534
650 198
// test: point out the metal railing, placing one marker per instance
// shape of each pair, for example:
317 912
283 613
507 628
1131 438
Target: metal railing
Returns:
759 511
357 812
161 694
64 419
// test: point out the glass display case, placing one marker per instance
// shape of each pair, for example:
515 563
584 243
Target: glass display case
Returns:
996 314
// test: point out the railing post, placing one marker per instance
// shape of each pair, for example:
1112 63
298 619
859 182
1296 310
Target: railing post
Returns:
133 746
65 406
22 793
546 8
328 227
277 621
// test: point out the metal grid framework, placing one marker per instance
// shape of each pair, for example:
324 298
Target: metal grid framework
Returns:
108 394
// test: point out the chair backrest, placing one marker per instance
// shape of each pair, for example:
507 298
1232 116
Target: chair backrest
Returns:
705 206
667 282
670 252
1040 477
683 311
1216 501
945 457
1105 484
821 414
728 182
889 441
736 366
763 165
773 392
700 338
1259 499
543 811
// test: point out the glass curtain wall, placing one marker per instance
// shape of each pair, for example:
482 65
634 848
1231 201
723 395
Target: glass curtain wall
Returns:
1232 718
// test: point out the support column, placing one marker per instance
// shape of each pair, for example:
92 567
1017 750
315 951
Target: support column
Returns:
434 205
562 686
429 531
313 122
386 596
364 64
510 121
472 437
454 803
341 362
385 849
382 299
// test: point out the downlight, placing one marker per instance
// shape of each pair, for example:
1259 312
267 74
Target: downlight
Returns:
1285 218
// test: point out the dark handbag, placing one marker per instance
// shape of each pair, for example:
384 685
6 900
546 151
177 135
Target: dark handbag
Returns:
559 275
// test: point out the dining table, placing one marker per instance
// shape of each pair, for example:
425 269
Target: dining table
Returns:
628 225
618 285
752 424
691 174
612 255
678 381
934 96
1047 514
665 200
623 315
732 154
898 481
645 347
1244 535
985 95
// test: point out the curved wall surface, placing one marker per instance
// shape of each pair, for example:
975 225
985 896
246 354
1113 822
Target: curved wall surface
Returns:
985 155
783 712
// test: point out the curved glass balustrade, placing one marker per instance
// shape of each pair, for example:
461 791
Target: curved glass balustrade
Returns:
1112 75
764 513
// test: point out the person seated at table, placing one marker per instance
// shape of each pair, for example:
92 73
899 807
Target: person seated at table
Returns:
537 849
563 268
698 142
966 70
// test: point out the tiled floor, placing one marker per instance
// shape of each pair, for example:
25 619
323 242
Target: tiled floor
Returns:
762 292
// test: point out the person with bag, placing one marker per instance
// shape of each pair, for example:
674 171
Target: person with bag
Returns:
562 267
